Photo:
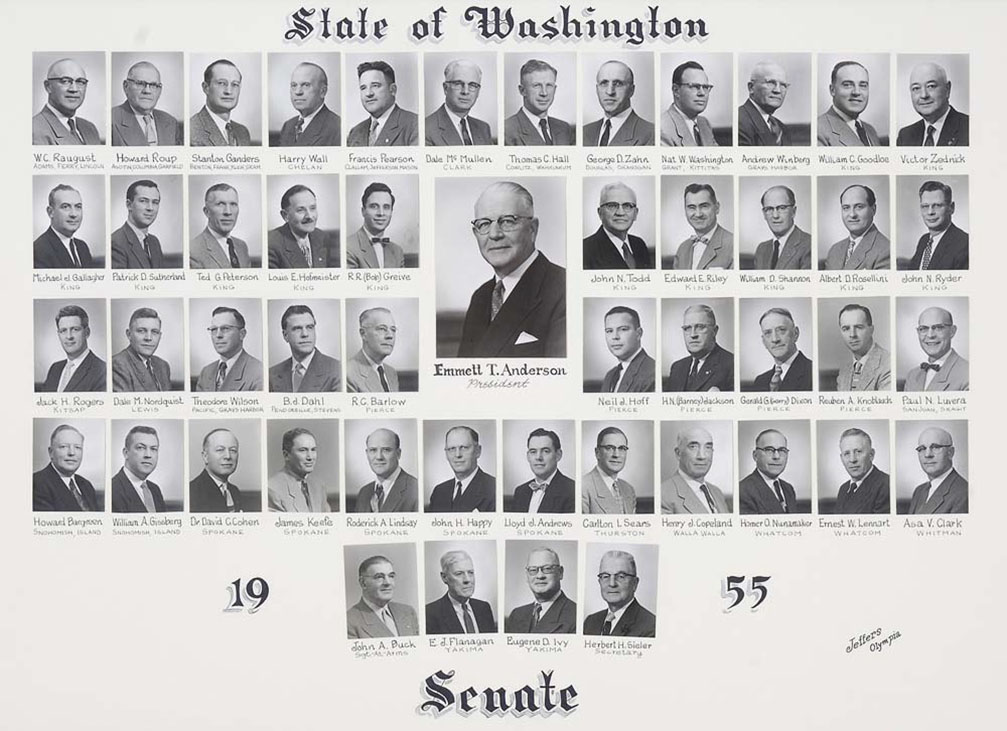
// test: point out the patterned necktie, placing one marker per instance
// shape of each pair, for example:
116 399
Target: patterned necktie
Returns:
775 129
544 128
231 140
148 497
627 255
615 488
150 129
296 377
372 138
777 379
858 368
305 247
77 495
779 495
709 498
379 497
153 376
927 253
695 134
776 254
73 129
73 254
929 141
470 625
496 304
232 254
386 617
849 252
384 381
536 616
466 137
298 129
307 495
606 131
862 134
64 379
218 383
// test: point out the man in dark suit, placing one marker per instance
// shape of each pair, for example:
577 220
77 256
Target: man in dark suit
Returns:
552 612
212 125
133 246
471 489
393 490
763 492
945 491
370 247
81 370
452 124
211 490
214 247
307 370
57 248
299 243
136 122
707 367
620 126
376 615
944 245
612 246
387 124
549 491
457 612
866 247
625 616
634 372
315 125
57 486
296 488
789 247
712 245
521 312
941 125
135 367
235 369
531 124
840 125
58 124
767 90
683 123
369 371
132 492
791 370
688 490
867 490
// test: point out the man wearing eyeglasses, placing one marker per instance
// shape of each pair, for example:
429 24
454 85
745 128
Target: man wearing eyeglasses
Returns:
212 125
458 611
707 367
370 247
604 492
307 370
315 125
452 124
135 367
81 370
944 245
235 370
549 491
763 492
57 486
620 126
57 247
870 369
625 616
612 246
789 247
211 491
767 90
387 124
552 612
133 246
867 490
941 125
368 370
866 247
521 311
840 125
531 124
634 369
215 247
471 489
791 369
393 490
58 124
712 245
136 122
688 491
376 615
683 123
945 490
944 369
295 488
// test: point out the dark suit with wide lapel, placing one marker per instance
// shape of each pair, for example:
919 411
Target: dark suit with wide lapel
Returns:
536 308
130 374
717 372
206 133
634 622
634 132
480 494
519 130
952 496
441 132
126 130
125 498
442 620
322 131
600 252
322 376
561 618
401 129
50 493
206 497
402 498
560 496
952 251
284 253
48 252
128 253
834 132
872 496
639 376
753 130
798 377
363 623
90 376
954 133
46 129
758 498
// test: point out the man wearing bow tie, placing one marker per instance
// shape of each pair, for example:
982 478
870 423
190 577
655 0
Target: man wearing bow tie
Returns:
763 492
393 490
945 490
603 491
707 367
133 245
295 489
944 369
549 491
57 486
371 248
712 245
132 492
944 245
688 491
57 248
867 489
871 366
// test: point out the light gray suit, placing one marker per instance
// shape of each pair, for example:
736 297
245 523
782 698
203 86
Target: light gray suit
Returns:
676 130
876 374
360 254
953 376
245 374
363 623
834 132
719 252
362 378
873 252
206 253
678 497
596 498
286 495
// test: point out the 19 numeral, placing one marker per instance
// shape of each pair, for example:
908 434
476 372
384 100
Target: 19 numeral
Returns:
736 589
255 592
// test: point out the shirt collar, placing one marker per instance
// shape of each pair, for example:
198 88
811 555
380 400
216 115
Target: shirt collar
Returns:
942 360
79 359
305 121
607 479
694 484
708 235
937 125
59 115
547 480
685 116
216 480
384 117
547 605
230 361
373 363
863 479
863 358
631 358
769 480
616 241
388 481
512 279
140 234
306 360
374 607
534 118
783 239
466 481
617 614
135 480
939 480
621 116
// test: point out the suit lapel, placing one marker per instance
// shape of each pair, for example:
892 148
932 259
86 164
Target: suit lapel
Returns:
504 329
763 134
860 253
448 617
448 132
311 133
366 250
712 247
136 247
128 127
951 130
214 251
59 131
84 373
213 131
943 376
688 497
627 132
791 249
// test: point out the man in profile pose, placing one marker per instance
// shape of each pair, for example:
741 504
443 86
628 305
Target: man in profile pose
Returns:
612 246
683 123
941 125
531 124
867 490
370 248
634 369
603 491
458 612
471 489
137 122
295 488
452 124
552 612
707 367
376 615
299 243
687 491
56 247
81 370
549 491
871 366
132 492
236 369
307 370
763 492
57 486
625 616
387 123
135 367
791 369
712 245
212 125
866 247
944 245
393 490
945 491
57 123
767 90
944 369
790 247
620 125
314 125
367 371
211 491
133 245
840 125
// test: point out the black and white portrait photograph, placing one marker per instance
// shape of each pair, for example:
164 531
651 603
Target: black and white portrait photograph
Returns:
933 343
150 108
854 223
540 99
148 345
225 221
225 474
625 602
302 221
539 466
302 465
932 467
774 98
697 344
697 107
933 222
146 219
775 216
929 111
382 345
304 338
697 467
460 581
854 467
774 466
852 100
68 465
459 466
68 222
69 98
697 222
382 590
303 99
617 99
460 98
776 336
382 464
620 336
501 258
148 467
225 97
617 467
71 346
225 344
619 220
540 587
854 344
382 99
382 221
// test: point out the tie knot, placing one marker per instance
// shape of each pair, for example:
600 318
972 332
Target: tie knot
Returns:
926 366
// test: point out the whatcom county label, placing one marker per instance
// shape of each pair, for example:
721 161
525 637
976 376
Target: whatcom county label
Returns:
543 699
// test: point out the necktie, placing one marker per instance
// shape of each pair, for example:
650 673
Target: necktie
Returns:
146 248
928 252
466 139
776 254
925 366
544 129
379 494
849 252
470 625
858 368
73 129
384 381
779 495
231 140
498 299
695 134
627 255
535 617
458 494
150 129
777 379
618 375
153 376
148 497
386 617
372 138
775 129
305 247
298 128
862 134
693 372
853 487
296 377
929 141
606 629
232 254
307 495
77 495
615 488
606 131
228 499
64 380
218 383
73 254
709 498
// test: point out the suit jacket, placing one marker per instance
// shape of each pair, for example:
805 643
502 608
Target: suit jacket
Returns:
600 252
634 132
440 131
284 253
794 254
399 130
873 252
951 497
322 130
48 252
129 374
834 132
953 376
128 253
717 373
442 620
480 495
50 493
402 498
323 375
531 323
753 130
876 374
635 622
518 130
204 132
561 618
798 377
560 496
206 253
126 131
360 254
244 375
678 497
125 498
597 499
205 496
284 494
954 133
362 623
952 251
676 130
758 498
719 252
639 377
90 376
362 378
47 129
871 497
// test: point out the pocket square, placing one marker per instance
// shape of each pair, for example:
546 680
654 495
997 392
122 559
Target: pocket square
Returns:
525 338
